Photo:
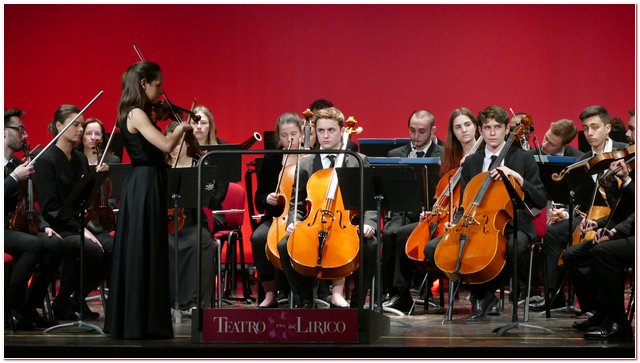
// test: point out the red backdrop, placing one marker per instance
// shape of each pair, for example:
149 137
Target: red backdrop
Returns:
378 63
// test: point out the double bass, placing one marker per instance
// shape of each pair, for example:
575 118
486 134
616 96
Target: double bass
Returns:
474 250
445 207
325 245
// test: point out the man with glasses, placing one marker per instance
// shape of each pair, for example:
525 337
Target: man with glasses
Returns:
38 255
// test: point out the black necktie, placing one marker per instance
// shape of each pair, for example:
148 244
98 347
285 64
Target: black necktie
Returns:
419 154
8 168
332 160
493 160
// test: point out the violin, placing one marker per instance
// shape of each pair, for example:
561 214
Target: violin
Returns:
597 162
25 218
607 176
474 250
445 207
325 245
99 215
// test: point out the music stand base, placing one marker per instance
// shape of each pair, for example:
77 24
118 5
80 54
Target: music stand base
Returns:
76 324
501 330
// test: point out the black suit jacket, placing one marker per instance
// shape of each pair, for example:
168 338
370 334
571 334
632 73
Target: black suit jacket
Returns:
267 183
309 165
523 163
434 150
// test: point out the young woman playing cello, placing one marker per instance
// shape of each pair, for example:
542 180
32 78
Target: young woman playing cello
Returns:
270 178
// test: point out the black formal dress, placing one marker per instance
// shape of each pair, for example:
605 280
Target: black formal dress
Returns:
139 305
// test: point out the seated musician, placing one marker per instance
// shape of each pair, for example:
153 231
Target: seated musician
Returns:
58 171
36 255
330 128
524 140
287 128
596 123
631 132
396 267
187 243
596 268
518 164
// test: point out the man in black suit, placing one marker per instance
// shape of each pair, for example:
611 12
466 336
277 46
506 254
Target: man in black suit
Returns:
395 264
330 128
518 164
36 257
597 125
596 268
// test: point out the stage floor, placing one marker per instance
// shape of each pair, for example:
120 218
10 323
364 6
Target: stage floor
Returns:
420 336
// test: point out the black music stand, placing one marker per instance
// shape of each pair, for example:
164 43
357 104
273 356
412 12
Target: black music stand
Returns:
394 188
76 204
518 204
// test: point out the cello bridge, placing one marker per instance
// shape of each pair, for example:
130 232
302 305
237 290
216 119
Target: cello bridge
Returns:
468 220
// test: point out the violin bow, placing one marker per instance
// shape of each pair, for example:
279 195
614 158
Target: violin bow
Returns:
53 141
104 152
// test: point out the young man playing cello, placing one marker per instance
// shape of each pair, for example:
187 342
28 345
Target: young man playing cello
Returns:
518 164
330 128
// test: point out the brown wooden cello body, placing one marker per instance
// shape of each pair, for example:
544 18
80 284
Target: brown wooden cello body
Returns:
326 245
278 228
448 191
480 233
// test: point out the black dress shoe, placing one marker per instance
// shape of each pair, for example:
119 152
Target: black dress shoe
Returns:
593 321
21 322
400 303
494 310
334 306
480 307
612 331
39 321
558 303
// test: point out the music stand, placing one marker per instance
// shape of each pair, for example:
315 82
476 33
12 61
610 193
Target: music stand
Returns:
394 188
76 204
518 204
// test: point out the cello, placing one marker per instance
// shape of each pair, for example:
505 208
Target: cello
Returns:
325 245
278 228
474 250
445 207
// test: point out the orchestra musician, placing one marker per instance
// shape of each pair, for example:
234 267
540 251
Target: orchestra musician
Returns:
92 141
330 128
139 304
596 268
631 132
58 171
205 132
187 244
519 164
555 142
288 128
396 266
596 124
38 255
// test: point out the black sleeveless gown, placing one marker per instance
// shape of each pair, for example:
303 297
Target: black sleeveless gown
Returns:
139 305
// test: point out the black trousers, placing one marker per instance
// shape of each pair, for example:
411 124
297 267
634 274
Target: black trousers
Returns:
93 267
556 238
265 268
302 286
478 291
610 258
37 255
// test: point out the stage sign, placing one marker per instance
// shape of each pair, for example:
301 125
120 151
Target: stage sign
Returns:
280 325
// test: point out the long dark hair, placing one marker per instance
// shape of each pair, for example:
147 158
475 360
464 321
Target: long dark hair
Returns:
132 93
452 146
61 115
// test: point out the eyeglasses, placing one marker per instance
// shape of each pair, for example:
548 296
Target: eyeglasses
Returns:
94 133
20 129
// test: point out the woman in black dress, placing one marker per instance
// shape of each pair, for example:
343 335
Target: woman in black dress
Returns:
139 304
